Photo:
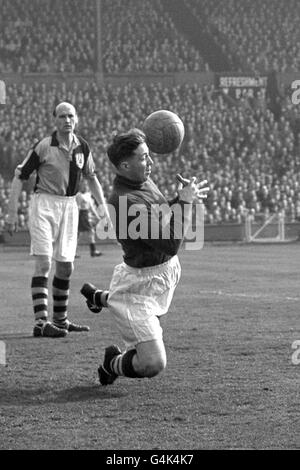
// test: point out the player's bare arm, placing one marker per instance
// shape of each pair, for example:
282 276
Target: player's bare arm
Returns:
97 192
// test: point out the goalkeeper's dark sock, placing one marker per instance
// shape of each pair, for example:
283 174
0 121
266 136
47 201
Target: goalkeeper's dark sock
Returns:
122 364
94 296
100 298
40 321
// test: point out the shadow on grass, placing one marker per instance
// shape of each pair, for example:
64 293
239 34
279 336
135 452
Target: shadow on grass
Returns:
86 393
7 336
41 396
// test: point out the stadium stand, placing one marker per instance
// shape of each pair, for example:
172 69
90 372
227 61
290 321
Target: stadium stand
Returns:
259 36
43 36
144 36
248 152
141 37
137 36
249 158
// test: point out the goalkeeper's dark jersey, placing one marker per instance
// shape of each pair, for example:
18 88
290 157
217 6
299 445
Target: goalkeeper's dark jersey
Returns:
146 234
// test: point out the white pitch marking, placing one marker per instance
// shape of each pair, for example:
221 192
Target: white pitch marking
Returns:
250 296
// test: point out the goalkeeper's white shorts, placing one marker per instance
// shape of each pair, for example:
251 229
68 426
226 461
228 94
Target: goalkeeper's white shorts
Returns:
53 226
138 296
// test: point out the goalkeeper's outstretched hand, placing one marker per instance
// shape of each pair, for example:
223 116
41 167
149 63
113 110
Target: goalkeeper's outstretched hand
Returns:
189 190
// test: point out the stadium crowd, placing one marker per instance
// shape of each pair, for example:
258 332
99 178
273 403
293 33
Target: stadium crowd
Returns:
47 36
250 159
136 36
141 36
249 155
263 35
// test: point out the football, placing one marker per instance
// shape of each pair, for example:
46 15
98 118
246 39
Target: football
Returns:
164 131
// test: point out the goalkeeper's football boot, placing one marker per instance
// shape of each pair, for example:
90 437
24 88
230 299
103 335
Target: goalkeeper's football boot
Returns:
106 375
48 330
69 326
89 291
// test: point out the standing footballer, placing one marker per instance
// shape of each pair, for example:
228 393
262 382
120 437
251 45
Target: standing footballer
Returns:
59 161
88 217
142 287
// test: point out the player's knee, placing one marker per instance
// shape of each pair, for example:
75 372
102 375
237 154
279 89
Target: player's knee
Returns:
64 270
42 265
154 367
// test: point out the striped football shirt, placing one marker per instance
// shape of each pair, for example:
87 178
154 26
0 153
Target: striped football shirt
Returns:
58 171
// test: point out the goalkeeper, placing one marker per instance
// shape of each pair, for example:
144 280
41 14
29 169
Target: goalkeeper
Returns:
142 287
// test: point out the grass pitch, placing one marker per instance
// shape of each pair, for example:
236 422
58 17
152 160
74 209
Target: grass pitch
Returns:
229 384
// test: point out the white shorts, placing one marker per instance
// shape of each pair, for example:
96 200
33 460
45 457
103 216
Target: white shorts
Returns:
53 225
138 296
